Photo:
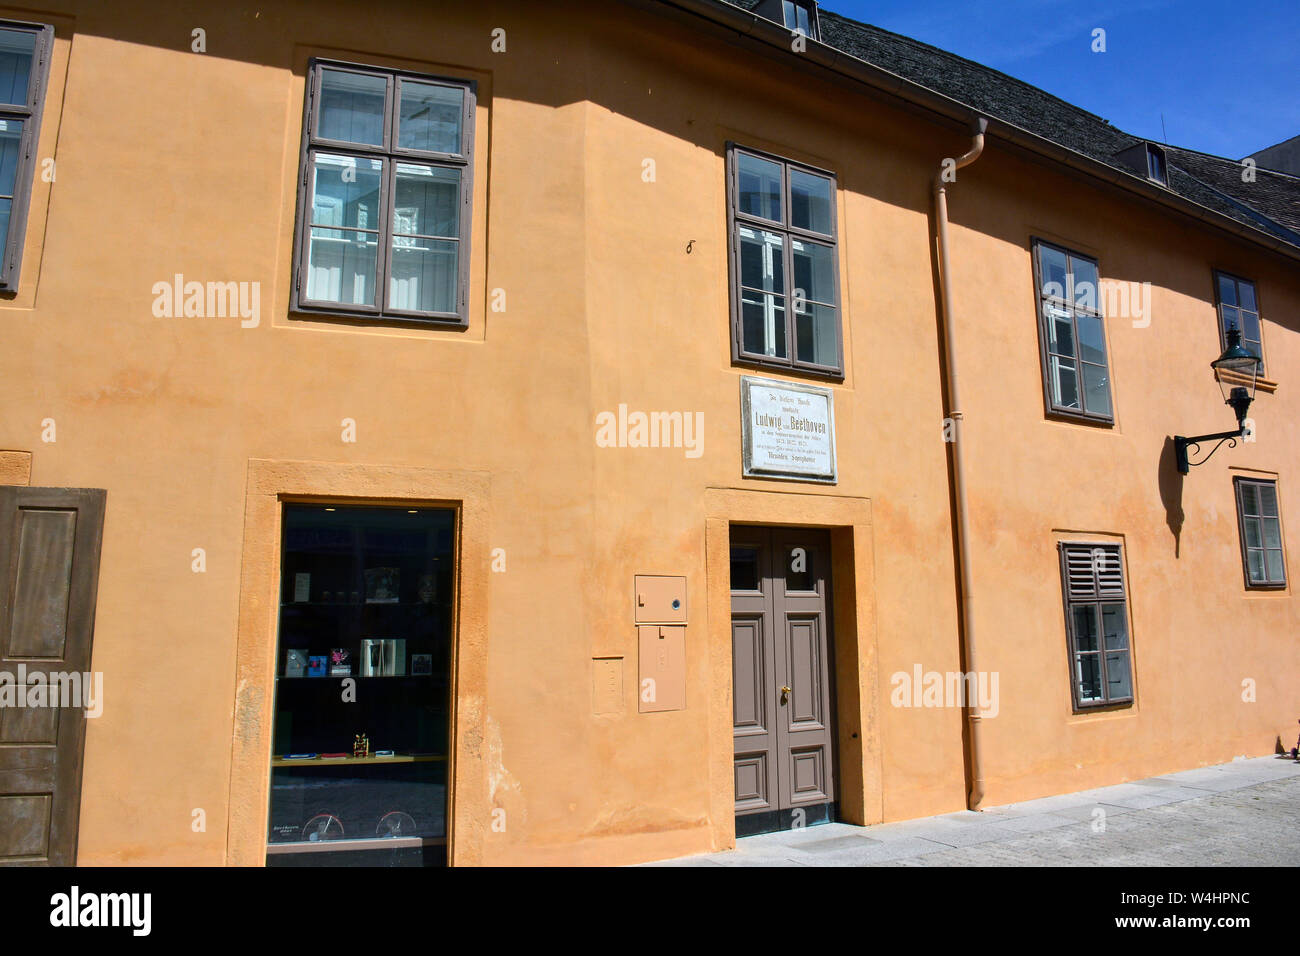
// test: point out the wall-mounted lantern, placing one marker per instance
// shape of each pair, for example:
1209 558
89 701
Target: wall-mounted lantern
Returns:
1237 369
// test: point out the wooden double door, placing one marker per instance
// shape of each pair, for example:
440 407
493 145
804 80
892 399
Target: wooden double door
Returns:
782 677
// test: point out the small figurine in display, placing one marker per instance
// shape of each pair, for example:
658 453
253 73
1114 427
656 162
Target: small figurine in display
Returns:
361 746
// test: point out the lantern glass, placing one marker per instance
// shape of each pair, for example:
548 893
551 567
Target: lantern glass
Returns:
1237 367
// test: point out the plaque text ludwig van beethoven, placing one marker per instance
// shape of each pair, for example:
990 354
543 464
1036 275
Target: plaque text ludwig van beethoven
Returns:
789 431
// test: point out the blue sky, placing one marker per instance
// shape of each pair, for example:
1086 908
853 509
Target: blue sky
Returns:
1225 75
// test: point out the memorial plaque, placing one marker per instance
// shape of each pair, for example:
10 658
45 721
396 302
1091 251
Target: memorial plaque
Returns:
788 430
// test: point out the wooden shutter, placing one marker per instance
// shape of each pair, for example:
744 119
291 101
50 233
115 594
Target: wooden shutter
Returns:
1092 571
49 572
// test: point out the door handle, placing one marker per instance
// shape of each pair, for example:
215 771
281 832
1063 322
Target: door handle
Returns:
785 694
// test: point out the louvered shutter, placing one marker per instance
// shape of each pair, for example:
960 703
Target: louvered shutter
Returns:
1092 571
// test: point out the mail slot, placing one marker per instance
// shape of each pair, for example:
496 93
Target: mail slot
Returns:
663 667
660 599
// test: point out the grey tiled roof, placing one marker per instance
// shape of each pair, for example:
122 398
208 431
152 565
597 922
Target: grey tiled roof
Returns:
1271 203
1273 194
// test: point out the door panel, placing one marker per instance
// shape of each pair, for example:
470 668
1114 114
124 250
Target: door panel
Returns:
781 685
749 677
753 662
49 572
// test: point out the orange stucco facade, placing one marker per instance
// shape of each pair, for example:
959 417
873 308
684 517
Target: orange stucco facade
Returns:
592 285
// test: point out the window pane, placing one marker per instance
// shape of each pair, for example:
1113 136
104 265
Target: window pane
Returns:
1272 532
1231 317
762 320
1088 669
1273 561
1249 327
430 117
1096 389
1247 291
11 132
1065 388
1085 628
1251 526
423 275
759 187
744 569
345 191
1053 271
426 201
810 202
814 271
352 107
1249 498
341 266
1084 277
1119 682
1268 499
805 580
341 263
1255 566
17 48
1114 626
815 335
762 263
1060 331
1092 343
5 206
1227 291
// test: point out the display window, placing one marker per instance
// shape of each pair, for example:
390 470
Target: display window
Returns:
363 686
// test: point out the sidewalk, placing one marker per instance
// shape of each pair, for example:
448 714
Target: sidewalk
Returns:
1244 813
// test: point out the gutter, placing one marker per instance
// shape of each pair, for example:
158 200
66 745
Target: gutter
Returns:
966 611
947 109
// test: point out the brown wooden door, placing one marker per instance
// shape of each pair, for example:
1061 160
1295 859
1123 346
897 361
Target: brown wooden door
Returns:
781 673
49 573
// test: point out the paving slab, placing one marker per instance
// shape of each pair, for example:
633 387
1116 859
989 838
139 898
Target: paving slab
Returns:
1237 814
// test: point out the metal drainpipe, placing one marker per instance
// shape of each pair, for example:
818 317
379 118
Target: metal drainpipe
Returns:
976 793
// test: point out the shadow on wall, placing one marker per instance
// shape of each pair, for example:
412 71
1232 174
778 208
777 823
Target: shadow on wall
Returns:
1171 491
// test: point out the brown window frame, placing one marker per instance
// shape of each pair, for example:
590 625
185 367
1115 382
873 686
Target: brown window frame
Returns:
1101 594
1051 406
1220 305
29 114
389 154
789 232
1239 482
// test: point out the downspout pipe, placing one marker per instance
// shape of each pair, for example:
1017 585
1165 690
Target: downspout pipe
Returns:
946 173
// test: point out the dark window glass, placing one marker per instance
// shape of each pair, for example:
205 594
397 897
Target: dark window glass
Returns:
1156 164
744 569
366 594
800 575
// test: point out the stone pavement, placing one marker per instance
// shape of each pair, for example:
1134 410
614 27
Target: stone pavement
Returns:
1244 813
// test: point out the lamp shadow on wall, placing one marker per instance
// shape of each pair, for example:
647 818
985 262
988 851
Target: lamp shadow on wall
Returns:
1171 492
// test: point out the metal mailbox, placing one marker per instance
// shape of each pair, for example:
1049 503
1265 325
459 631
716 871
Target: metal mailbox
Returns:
660 599
663 667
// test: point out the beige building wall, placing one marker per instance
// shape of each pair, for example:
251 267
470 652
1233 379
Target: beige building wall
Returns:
615 288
